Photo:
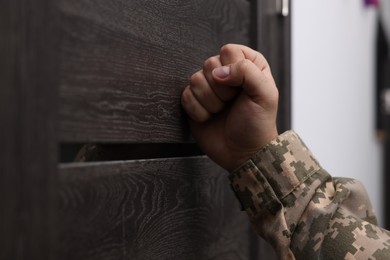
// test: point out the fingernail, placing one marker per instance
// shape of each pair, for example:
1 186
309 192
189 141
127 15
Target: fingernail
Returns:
222 72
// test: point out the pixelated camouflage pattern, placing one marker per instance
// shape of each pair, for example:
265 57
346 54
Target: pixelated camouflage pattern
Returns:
302 211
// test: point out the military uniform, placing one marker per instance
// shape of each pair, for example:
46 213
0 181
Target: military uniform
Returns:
302 211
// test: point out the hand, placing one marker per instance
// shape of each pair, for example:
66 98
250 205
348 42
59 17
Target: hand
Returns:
232 104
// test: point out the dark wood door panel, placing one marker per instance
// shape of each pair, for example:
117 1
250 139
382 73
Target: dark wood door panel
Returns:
125 63
150 209
118 68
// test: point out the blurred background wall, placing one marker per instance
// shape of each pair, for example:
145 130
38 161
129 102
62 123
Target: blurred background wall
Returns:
333 89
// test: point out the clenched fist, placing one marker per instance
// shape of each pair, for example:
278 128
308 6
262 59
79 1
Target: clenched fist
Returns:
232 104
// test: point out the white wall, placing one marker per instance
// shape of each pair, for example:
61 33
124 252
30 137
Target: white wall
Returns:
333 88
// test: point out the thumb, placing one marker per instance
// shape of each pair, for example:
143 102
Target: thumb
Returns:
259 86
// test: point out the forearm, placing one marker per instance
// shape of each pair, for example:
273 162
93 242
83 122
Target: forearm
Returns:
301 210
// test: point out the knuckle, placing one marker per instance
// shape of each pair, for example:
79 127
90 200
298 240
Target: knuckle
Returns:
245 66
198 91
186 96
210 63
261 61
227 49
260 56
196 78
192 108
275 95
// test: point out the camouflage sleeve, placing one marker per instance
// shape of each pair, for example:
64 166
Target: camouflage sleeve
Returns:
302 211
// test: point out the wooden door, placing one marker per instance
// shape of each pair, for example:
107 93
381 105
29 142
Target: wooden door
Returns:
100 81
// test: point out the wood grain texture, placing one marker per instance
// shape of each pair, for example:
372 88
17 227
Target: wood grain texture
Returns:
150 209
125 63
28 148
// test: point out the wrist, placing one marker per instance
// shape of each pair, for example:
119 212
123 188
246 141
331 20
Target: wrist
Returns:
240 157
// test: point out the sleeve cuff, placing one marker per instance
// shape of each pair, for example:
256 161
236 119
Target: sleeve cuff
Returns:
273 173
